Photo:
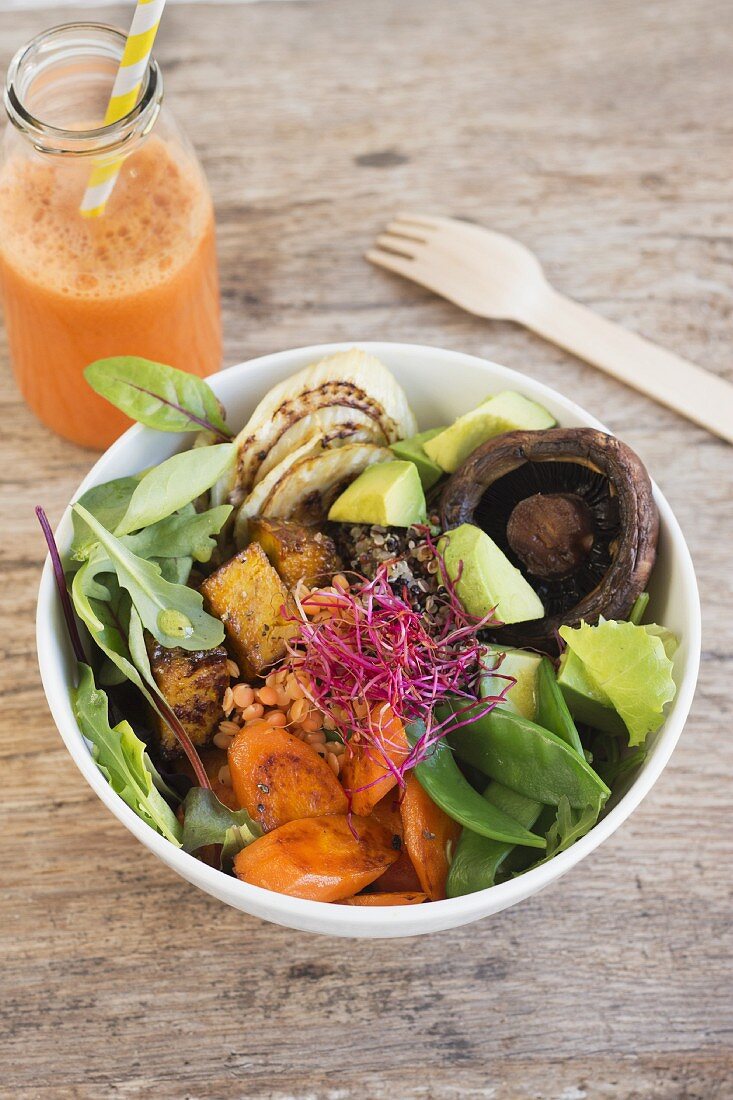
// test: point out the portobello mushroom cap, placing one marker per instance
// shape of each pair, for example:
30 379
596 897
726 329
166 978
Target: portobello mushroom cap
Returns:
573 509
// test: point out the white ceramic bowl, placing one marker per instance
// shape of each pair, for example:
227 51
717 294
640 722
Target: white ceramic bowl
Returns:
440 385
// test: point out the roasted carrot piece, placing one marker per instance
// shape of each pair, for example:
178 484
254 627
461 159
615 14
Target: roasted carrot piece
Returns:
430 836
278 778
405 898
401 877
319 858
364 773
387 813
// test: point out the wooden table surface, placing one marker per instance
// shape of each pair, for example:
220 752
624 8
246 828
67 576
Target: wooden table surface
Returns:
599 134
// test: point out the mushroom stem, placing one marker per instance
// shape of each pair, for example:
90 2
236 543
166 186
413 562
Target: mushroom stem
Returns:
551 533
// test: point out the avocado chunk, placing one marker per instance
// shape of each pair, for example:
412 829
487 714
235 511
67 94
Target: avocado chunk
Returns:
522 665
388 493
586 702
413 450
484 577
504 412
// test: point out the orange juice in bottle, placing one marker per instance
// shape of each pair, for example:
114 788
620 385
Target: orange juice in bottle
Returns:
140 279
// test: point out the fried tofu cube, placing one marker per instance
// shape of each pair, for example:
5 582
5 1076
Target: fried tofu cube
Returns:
193 683
253 603
297 552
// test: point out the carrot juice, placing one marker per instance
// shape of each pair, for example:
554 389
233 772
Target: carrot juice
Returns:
139 280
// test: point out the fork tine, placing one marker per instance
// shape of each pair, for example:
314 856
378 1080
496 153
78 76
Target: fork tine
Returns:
401 265
425 221
404 246
409 232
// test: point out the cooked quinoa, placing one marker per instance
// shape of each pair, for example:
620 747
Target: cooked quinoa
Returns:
413 571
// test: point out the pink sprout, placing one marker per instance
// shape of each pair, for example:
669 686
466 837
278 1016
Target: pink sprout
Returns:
374 654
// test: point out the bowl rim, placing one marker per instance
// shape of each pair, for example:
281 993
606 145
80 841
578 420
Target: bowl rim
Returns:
326 916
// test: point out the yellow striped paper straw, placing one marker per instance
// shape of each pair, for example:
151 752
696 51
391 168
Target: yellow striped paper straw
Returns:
125 92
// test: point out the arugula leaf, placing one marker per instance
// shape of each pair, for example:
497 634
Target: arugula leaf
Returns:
172 543
207 821
190 535
159 781
92 604
138 649
609 763
157 395
629 666
175 570
570 825
107 503
177 481
173 613
121 758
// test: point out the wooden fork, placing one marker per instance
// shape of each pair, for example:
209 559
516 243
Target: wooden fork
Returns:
494 276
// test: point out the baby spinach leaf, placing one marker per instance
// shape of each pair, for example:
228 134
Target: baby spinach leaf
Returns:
207 821
107 503
173 613
120 756
189 535
157 395
164 489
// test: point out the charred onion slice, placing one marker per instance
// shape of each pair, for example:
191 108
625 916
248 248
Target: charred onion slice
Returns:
573 509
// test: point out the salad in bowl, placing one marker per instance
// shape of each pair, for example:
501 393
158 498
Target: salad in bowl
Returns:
349 658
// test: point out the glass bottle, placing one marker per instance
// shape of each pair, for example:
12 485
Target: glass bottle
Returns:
141 279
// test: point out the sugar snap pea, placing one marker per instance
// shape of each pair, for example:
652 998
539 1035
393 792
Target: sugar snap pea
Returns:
521 859
478 859
529 760
552 710
440 777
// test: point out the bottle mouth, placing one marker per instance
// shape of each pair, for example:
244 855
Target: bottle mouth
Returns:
58 86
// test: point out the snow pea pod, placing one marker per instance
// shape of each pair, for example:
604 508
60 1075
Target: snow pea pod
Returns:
439 775
552 710
478 859
528 759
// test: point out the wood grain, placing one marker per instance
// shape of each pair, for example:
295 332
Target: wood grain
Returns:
599 134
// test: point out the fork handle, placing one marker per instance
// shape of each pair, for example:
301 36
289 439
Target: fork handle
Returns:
674 382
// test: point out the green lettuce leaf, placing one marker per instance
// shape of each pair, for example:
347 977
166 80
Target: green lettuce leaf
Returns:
208 821
121 757
629 666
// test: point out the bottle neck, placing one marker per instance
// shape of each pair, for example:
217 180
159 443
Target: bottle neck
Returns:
58 88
